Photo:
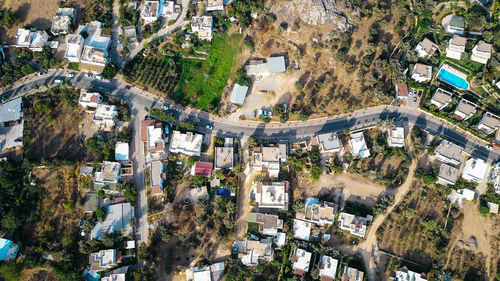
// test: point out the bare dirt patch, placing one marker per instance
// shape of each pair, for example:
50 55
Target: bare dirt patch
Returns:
37 13
38 274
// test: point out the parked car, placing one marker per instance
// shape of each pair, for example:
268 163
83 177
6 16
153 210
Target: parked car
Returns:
98 77
254 113
415 100
58 81
209 127
71 75
489 147
88 75
164 106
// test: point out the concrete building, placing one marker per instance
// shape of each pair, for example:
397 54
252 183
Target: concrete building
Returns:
156 177
104 116
271 66
224 158
354 224
252 252
357 145
328 143
490 122
464 110
35 41
118 219
90 100
318 212
272 195
457 197
475 170
456 25
154 136
448 174
449 152
494 177
188 143
239 94
107 177
481 53
104 259
11 125
327 268
301 229
214 5
426 48
119 274
456 47
352 274
8 250
269 158
441 98
203 27
150 11
421 73
402 91
396 137
63 20
403 274
268 224
301 260
122 152
170 11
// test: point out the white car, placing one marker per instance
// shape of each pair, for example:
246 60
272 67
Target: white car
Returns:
98 77
71 75
88 75
58 81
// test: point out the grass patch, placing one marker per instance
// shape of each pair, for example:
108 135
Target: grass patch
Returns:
201 82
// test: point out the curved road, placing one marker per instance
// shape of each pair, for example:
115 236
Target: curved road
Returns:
291 131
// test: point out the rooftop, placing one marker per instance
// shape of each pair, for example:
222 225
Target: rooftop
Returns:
328 267
150 9
490 120
8 250
238 94
358 146
457 21
422 70
121 151
301 260
450 150
484 47
301 229
442 96
224 158
329 141
118 218
271 195
402 90
203 169
187 143
458 40
475 170
109 172
11 110
448 173
466 107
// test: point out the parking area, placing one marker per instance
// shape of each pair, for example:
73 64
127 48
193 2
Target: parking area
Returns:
413 98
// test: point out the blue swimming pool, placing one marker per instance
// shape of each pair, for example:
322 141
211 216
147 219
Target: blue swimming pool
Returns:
453 79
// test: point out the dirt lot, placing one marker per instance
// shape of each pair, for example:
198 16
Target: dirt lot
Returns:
37 13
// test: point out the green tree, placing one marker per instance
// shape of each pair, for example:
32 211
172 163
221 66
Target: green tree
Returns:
303 116
191 161
27 69
162 115
130 193
109 72
100 213
101 194
8 18
187 125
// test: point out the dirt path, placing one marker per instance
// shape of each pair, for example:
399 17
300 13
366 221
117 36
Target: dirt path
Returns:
370 260
244 206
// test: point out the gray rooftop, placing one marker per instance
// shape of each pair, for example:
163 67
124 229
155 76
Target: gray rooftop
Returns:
466 107
457 21
490 120
442 96
238 94
276 65
11 110
329 141
448 173
224 158
450 150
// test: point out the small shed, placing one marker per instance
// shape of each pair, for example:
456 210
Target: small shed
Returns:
238 94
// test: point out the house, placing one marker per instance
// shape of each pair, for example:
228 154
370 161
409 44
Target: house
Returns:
252 252
11 124
150 11
153 135
490 122
426 48
11 110
238 94
481 53
456 47
402 91
8 250
105 259
494 178
62 21
203 26
269 158
268 224
198 194
475 170
457 197
301 260
280 239
214 272
329 143
108 175
188 143
396 137
273 195
441 98
104 116
214 5
456 25
201 274
357 145
33 40
118 219
421 73
157 176
493 207
170 11
448 174
91 50
327 268
203 169
352 274
449 152
318 212
301 229
224 158
464 110
354 224
273 65
403 274
122 152
90 100
119 274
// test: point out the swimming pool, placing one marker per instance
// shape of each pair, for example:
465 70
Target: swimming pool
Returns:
453 79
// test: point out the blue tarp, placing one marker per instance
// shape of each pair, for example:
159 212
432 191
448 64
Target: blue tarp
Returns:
224 192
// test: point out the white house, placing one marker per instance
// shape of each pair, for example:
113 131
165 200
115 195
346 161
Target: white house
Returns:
457 197
354 224
150 11
494 177
318 212
104 116
301 229
301 260
328 143
426 48
272 65
269 158
327 268
214 5
490 122
273 195
403 274
448 174
203 27
224 158
441 98
357 145
108 175
90 100
465 109
481 53
33 40
402 91
104 259
62 21
396 137
421 73
475 170
118 219
188 143
456 47
252 252
170 11
456 25
122 152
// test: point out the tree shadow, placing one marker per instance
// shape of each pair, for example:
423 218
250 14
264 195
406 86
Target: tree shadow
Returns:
23 11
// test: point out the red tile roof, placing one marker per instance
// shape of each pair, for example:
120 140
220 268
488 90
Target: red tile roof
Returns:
203 169
402 90
155 190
